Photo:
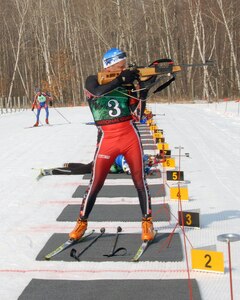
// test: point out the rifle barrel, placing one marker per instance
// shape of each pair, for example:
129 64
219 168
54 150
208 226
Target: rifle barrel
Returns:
210 63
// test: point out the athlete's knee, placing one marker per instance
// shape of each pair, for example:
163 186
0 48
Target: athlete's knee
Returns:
138 176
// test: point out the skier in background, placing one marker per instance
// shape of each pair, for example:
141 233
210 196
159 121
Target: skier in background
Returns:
41 100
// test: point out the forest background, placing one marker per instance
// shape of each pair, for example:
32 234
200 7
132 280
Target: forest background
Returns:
56 44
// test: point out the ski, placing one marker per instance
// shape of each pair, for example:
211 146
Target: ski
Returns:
45 125
28 127
66 245
143 248
40 175
43 172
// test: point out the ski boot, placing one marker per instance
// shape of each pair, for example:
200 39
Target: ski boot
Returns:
46 172
47 121
36 124
147 229
79 229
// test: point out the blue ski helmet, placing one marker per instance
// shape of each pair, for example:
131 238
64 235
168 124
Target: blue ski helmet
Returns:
113 56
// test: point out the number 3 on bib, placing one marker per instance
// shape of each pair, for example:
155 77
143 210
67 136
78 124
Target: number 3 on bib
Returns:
115 111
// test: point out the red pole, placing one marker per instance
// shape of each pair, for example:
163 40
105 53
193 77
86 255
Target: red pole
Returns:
230 269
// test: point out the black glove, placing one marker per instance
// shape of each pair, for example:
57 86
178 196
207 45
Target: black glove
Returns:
32 108
50 102
128 76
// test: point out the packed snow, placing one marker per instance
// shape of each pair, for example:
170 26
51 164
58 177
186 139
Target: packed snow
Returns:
209 132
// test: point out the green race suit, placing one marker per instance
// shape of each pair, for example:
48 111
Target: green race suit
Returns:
111 108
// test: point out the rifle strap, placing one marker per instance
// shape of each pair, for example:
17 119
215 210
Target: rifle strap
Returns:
163 86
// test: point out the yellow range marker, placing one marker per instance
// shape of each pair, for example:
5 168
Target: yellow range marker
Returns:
106 77
153 127
177 193
170 162
150 122
211 261
157 135
158 130
162 146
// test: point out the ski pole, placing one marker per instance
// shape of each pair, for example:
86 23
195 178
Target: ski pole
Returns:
158 114
73 252
62 115
113 252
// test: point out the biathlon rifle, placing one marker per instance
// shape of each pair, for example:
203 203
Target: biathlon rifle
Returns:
158 67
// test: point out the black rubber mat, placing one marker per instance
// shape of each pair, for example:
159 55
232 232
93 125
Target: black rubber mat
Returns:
148 142
146 137
113 191
143 128
156 174
144 131
115 213
105 289
157 250
150 147
140 125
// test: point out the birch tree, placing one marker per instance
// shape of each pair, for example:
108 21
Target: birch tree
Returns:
227 24
22 8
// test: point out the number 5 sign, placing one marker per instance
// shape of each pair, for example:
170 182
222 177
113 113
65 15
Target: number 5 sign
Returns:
211 261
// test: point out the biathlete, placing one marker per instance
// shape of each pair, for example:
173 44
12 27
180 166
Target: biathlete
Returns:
41 100
112 105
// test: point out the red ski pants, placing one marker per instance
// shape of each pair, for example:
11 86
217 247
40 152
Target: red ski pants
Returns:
121 138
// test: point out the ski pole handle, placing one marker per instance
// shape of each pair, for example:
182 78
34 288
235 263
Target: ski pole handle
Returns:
113 252
119 229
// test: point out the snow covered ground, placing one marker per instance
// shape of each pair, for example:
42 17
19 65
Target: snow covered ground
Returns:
210 133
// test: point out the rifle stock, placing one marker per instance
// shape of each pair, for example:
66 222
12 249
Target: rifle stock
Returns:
145 73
